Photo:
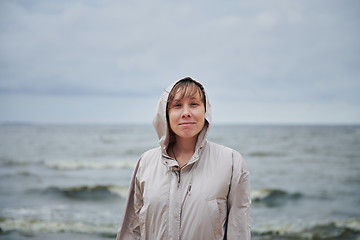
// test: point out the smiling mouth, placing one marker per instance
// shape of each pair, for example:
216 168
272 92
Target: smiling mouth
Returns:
186 123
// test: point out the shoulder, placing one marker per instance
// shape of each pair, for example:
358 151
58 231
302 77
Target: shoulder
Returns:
149 158
214 147
227 154
151 152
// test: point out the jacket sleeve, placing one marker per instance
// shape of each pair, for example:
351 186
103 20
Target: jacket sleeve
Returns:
129 227
239 201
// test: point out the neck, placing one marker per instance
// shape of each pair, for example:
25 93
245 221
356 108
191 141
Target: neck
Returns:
185 145
183 149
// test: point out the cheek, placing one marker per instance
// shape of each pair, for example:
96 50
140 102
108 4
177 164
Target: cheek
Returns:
201 113
203 120
172 118
200 116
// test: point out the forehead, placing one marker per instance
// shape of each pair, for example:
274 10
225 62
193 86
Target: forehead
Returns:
180 95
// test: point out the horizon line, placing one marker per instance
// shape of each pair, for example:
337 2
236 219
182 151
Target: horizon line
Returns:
34 123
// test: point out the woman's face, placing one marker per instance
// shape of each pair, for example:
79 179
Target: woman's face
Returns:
187 116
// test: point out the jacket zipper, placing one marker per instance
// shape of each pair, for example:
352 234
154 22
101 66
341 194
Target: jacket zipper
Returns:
187 194
178 173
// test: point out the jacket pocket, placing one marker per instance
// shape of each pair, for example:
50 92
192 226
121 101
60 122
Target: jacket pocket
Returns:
215 218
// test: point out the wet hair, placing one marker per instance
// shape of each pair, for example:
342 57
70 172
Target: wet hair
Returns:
187 87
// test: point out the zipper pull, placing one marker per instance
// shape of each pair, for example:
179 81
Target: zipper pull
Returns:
178 175
189 189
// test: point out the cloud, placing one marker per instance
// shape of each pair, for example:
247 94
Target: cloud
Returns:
256 52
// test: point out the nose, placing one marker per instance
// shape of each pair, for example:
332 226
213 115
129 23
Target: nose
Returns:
186 112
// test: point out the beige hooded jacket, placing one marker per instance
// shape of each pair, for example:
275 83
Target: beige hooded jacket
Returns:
208 198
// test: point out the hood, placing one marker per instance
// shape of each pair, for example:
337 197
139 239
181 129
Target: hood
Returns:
161 125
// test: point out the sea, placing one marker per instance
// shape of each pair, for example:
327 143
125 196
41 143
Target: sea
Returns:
71 181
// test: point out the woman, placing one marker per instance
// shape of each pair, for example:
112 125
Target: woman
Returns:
188 188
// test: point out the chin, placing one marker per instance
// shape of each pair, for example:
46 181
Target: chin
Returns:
188 134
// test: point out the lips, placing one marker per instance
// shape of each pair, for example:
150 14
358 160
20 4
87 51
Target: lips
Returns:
184 124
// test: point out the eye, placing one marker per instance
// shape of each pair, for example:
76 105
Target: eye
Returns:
194 104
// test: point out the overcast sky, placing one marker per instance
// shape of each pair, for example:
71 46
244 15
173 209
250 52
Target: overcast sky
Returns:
288 61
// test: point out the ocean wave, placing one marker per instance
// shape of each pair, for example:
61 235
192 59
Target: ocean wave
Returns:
269 197
334 230
266 154
75 165
70 165
14 162
273 197
36 226
97 192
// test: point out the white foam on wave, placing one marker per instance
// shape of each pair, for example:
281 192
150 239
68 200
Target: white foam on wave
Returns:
261 194
75 165
352 223
120 191
301 231
77 191
34 225
258 194
309 229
